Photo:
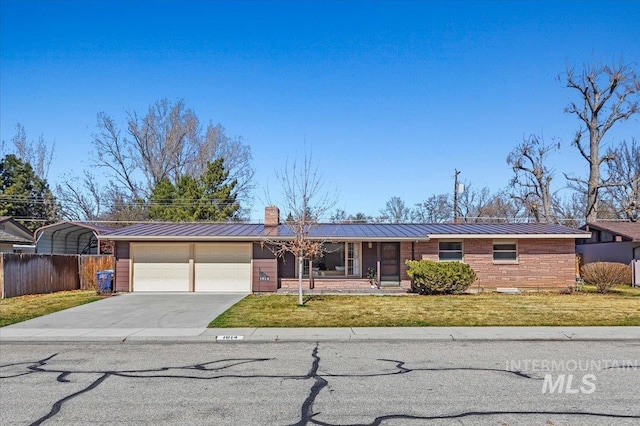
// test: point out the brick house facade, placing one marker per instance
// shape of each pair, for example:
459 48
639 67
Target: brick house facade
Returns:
236 256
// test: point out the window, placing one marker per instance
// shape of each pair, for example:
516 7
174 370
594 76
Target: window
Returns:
505 251
353 258
450 251
339 259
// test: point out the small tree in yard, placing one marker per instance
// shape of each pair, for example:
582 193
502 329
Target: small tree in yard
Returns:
606 275
306 201
440 277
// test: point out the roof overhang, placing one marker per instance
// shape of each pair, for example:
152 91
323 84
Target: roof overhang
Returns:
273 238
509 236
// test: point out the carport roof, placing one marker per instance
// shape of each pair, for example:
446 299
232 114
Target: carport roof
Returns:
339 231
70 226
68 231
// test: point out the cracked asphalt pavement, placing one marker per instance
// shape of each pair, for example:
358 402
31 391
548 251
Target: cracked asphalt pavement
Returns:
328 383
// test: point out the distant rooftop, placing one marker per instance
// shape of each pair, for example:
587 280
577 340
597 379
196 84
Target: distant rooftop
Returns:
629 231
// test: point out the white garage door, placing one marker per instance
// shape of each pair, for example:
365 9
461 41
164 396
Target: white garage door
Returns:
223 267
160 267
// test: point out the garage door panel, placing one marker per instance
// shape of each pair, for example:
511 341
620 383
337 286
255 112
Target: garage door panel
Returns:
223 267
161 267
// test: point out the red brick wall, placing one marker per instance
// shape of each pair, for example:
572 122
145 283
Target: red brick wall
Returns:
541 262
326 283
271 216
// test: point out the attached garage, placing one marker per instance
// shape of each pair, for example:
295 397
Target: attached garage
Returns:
160 267
183 267
221 267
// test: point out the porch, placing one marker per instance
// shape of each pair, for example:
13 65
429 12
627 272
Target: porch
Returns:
341 285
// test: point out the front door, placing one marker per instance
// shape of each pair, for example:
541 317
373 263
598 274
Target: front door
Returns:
390 262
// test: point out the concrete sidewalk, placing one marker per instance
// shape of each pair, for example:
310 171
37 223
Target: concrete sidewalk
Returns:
10 334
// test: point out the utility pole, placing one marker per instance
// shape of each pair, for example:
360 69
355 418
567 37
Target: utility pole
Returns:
455 196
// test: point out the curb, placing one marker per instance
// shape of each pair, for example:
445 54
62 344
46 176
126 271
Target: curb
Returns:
345 334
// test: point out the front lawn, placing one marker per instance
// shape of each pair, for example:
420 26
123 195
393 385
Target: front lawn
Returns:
621 307
22 308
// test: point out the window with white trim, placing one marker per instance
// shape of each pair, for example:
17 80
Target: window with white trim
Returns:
505 251
450 251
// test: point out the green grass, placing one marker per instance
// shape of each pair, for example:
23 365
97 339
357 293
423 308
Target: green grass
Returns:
621 307
22 308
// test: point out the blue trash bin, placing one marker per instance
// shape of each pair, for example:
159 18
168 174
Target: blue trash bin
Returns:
105 281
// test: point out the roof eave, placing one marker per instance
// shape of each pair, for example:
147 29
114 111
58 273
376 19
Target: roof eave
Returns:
183 238
180 238
515 236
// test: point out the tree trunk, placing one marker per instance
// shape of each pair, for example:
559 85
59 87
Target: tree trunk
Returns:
300 270
594 172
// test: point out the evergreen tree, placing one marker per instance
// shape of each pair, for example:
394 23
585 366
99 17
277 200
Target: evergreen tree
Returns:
210 197
23 194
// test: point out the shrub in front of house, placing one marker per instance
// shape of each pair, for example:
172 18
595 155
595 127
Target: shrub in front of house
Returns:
606 275
430 277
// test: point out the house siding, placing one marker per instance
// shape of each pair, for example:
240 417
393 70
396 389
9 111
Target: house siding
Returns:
621 252
369 257
287 266
260 251
121 279
121 283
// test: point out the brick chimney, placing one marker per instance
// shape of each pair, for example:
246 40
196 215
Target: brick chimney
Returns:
271 216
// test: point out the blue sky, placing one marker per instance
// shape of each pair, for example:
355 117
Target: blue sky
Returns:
391 96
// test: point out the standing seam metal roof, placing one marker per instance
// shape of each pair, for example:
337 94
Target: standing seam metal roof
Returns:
337 231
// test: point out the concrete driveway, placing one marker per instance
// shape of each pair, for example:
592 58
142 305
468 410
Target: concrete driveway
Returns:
128 314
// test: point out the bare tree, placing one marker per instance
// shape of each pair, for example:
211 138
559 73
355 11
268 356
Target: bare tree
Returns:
435 209
81 202
359 218
117 155
607 95
339 216
396 211
165 142
499 208
624 167
531 183
37 153
306 200
571 210
471 203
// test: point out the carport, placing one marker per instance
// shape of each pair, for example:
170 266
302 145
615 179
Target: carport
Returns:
69 238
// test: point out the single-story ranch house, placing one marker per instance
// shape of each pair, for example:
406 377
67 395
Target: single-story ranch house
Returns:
232 257
14 237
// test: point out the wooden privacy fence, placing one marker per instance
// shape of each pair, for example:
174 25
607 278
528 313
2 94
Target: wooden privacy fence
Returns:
47 273
89 265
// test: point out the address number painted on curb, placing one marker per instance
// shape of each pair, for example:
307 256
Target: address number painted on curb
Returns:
229 337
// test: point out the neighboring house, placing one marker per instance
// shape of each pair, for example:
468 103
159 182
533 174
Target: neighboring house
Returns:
228 257
69 238
610 242
14 237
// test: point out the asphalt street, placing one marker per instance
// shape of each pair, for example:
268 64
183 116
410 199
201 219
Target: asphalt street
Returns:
326 383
